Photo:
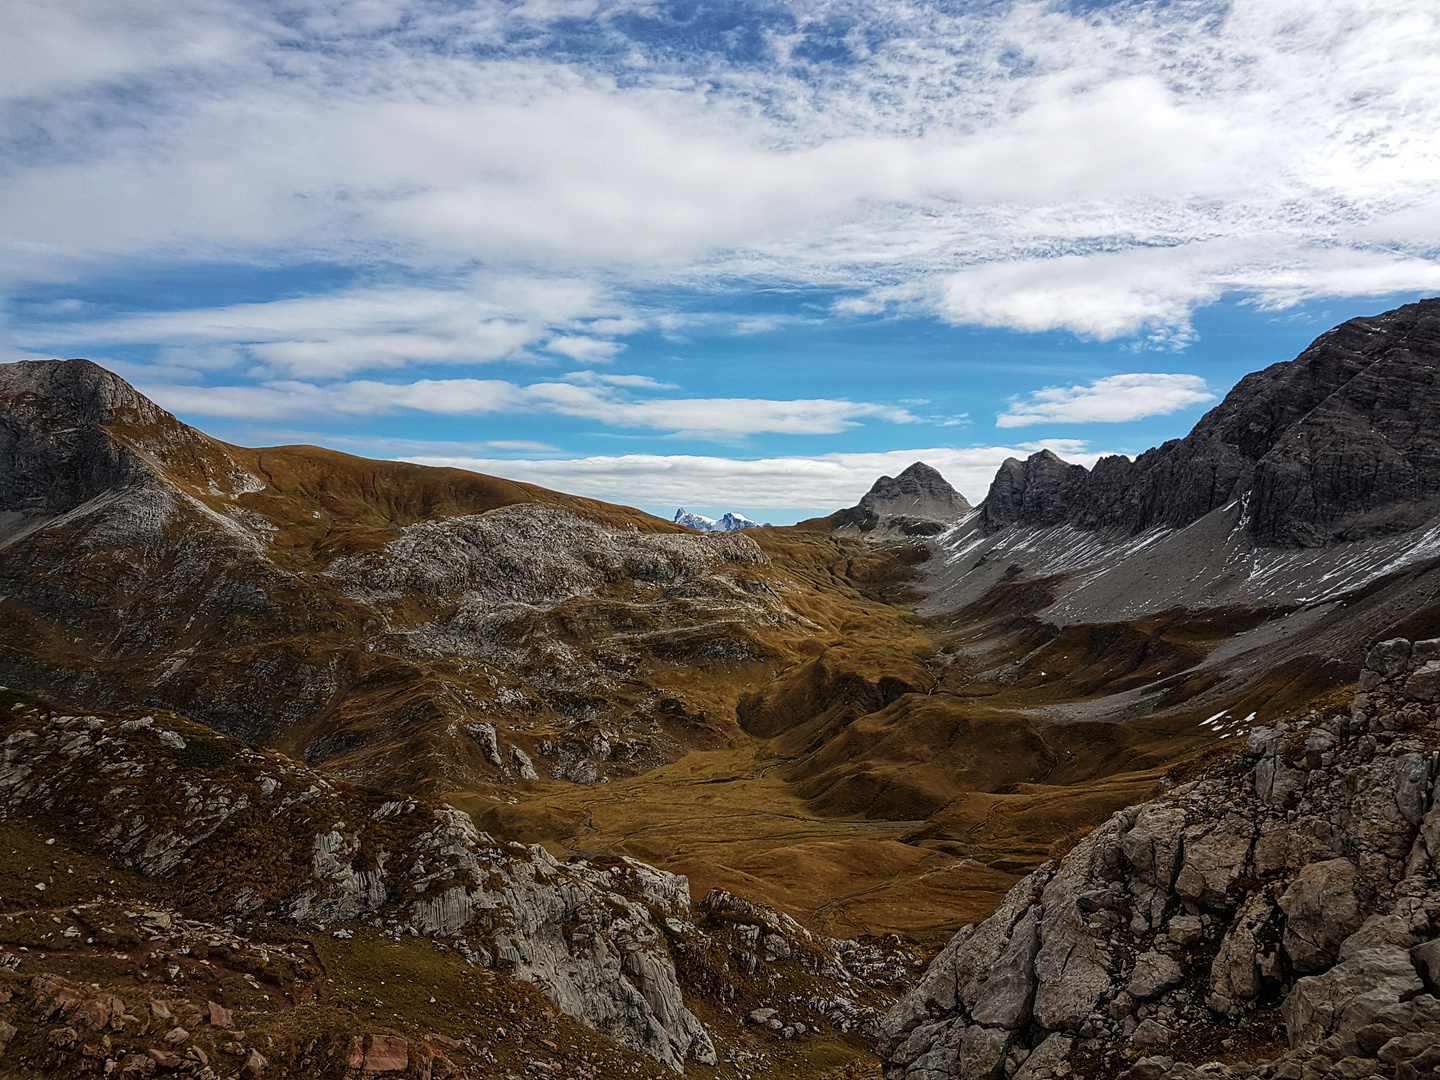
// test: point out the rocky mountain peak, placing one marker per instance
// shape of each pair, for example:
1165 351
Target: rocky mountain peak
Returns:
55 450
917 502
1334 444
920 491
77 390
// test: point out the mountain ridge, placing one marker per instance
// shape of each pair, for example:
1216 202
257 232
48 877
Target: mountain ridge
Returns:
1319 447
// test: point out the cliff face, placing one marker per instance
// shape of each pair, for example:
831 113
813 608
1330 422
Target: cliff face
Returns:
1337 443
1277 916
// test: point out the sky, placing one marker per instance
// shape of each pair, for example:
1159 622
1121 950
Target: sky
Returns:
728 256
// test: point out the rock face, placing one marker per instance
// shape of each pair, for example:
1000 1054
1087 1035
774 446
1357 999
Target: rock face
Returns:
248 832
918 502
1336 444
1300 871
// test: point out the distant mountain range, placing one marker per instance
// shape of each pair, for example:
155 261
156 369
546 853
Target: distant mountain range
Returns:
728 523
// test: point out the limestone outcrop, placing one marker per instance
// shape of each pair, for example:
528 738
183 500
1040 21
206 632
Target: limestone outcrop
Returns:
1277 916
254 834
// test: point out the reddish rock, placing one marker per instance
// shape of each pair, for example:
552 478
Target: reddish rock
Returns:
443 1040
137 1067
164 1059
196 1054
6 1034
176 1035
91 1015
220 1016
355 1055
387 1054
161 1011
63 1037
254 1066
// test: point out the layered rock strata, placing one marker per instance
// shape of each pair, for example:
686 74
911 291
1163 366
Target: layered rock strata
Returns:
1278 916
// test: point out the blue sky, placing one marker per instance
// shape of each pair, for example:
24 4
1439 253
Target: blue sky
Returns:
728 256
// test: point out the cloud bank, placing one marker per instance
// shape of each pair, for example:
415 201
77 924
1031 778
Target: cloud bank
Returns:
1019 164
825 482
607 399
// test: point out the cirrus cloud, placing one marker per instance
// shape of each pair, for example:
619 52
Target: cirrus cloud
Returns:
1113 399
607 399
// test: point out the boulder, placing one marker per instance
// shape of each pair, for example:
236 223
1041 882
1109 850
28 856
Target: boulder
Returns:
1424 684
982 1052
1389 658
1214 859
1009 992
386 1054
1153 846
1154 974
1348 996
1322 908
1426 958
1044 1059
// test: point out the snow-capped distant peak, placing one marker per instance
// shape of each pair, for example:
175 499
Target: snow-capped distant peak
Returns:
698 522
729 523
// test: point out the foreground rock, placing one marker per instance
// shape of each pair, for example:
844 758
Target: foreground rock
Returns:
1279 916
256 834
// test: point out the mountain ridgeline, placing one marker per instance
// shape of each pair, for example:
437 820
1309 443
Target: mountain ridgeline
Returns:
1339 443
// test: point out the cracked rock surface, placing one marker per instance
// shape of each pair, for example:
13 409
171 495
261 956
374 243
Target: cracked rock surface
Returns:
1279 916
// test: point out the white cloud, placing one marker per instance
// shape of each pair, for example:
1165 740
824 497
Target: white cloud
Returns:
487 318
1015 164
599 399
828 480
1113 399
586 350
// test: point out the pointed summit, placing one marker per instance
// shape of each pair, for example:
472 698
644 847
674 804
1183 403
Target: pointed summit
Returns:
918 502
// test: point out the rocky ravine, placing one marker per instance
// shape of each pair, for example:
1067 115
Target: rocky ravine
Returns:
1277 916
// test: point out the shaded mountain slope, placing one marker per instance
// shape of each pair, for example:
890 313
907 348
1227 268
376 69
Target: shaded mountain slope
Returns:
1338 443
382 616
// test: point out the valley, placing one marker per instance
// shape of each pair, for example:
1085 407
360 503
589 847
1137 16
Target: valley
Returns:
637 785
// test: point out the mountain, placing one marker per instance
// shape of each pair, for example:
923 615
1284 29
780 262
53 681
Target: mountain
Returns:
1277 914
730 522
382 617
361 734
1337 444
918 502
